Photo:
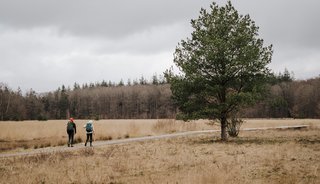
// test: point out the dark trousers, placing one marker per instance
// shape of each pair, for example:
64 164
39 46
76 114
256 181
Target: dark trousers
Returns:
89 138
71 137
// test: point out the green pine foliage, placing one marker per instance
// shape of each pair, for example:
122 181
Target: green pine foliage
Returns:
223 66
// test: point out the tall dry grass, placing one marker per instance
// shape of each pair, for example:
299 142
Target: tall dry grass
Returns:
39 134
255 123
273 156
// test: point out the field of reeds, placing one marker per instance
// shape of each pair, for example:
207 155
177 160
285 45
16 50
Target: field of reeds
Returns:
269 156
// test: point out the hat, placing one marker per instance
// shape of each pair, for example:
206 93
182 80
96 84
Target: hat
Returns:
71 119
90 121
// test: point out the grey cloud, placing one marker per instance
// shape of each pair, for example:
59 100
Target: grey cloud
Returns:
292 26
67 41
150 41
285 22
112 19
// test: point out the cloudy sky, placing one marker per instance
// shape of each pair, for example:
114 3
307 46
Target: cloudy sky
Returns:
47 43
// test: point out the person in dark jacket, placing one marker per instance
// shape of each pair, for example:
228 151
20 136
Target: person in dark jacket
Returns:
71 130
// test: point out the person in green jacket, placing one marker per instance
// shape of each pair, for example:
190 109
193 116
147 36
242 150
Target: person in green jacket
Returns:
71 130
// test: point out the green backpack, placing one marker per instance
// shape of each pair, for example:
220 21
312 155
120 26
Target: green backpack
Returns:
89 127
70 127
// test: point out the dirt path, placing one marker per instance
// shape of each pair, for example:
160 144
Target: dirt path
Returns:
138 139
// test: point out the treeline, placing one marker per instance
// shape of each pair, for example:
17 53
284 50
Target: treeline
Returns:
289 99
285 98
139 99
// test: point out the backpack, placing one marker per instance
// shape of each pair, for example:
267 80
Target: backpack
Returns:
70 127
89 127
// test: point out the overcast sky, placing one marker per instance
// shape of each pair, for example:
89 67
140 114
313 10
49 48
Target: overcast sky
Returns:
47 43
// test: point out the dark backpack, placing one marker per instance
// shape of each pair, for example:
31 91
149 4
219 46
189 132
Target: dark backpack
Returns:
89 127
70 127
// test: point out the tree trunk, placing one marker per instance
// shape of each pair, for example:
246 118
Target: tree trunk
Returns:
224 110
224 135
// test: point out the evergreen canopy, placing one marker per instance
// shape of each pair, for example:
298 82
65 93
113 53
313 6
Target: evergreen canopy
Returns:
222 67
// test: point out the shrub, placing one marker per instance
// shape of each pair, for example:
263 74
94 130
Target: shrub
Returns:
42 117
233 126
105 138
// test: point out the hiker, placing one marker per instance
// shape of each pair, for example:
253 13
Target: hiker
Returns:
71 130
90 130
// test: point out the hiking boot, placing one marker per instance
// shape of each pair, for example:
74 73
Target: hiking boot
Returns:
85 144
90 145
68 145
71 145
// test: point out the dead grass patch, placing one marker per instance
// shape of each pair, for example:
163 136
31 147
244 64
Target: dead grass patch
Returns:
270 156
87 152
35 134
28 135
171 126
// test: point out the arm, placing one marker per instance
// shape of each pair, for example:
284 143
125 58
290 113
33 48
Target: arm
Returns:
75 128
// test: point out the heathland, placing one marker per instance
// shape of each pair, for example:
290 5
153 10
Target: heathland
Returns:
269 156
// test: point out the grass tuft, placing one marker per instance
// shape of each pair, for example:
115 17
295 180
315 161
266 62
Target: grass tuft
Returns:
87 152
107 138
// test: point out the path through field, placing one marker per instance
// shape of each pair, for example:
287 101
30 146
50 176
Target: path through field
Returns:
124 141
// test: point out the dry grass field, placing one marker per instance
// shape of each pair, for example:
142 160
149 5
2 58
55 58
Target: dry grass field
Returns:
20 136
270 156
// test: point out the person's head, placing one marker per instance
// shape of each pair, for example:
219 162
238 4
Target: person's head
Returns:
71 119
90 121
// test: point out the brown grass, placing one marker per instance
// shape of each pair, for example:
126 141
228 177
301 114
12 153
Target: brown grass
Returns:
273 156
39 134
15 136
